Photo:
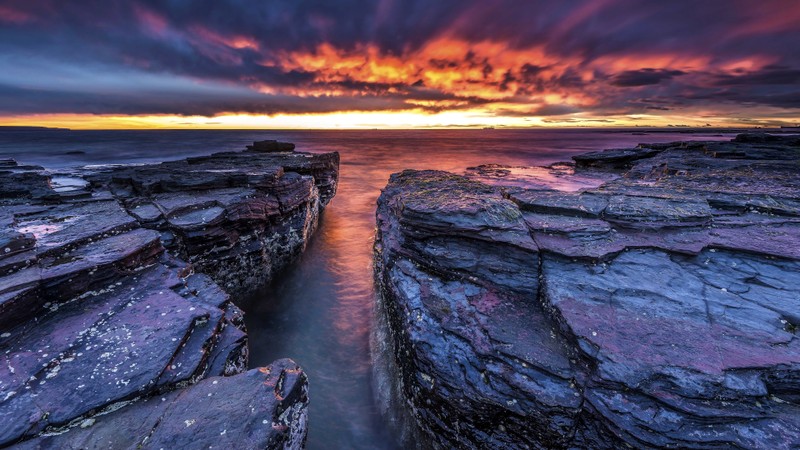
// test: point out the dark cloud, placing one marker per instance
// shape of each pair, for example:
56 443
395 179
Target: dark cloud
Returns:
30 101
782 99
577 120
770 75
211 56
544 110
644 77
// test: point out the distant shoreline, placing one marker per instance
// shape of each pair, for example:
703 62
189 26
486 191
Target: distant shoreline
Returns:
31 128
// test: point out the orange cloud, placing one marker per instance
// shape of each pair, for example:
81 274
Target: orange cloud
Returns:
447 65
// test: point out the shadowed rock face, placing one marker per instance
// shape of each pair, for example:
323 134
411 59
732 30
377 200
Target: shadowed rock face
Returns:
658 308
115 300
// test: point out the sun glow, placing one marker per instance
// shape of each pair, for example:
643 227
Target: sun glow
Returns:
338 120
364 120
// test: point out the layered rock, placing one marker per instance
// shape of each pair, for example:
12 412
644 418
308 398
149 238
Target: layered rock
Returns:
238 217
658 308
116 300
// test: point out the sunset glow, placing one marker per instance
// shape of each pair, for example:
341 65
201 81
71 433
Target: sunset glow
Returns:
367 120
614 63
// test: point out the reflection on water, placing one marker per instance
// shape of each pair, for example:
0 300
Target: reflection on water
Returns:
320 312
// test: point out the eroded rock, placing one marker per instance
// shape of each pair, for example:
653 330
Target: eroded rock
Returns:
238 217
657 308
116 300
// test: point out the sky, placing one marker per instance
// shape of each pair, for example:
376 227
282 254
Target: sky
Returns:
398 63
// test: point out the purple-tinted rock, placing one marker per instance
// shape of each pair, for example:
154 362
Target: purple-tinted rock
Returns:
238 217
460 226
114 295
19 182
692 345
658 309
758 138
262 408
617 158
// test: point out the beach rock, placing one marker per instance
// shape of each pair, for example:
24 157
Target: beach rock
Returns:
655 309
18 181
757 138
619 158
116 300
263 408
240 218
270 146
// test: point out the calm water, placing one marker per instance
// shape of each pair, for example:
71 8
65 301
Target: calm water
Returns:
320 312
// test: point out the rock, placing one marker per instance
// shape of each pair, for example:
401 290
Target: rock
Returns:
264 408
620 158
655 309
22 183
118 297
559 176
456 217
237 217
270 146
758 138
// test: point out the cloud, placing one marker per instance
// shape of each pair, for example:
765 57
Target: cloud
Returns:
644 77
769 75
507 57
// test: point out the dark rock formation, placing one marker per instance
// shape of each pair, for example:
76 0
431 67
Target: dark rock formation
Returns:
115 300
238 217
659 308
758 138
618 158
270 146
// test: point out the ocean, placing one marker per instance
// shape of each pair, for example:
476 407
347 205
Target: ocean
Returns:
320 313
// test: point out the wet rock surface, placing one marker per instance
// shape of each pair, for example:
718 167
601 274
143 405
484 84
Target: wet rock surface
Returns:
262 408
116 300
657 308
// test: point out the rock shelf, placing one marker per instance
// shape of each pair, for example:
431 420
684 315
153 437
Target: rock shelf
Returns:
118 325
654 306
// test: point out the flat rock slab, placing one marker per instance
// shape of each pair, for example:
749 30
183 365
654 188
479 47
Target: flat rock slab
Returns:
661 308
60 227
656 212
104 348
619 158
263 408
559 176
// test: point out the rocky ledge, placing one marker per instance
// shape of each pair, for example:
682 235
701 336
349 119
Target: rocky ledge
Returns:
638 298
117 322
